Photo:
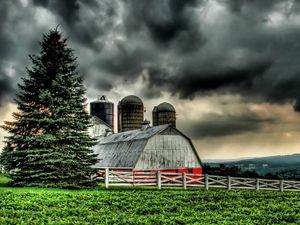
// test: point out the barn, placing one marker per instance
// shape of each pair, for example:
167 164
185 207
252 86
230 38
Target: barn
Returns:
158 148
99 127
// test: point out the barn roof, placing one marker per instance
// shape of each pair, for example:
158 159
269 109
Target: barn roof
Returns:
123 149
97 120
133 135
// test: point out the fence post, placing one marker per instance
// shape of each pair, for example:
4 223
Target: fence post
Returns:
228 183
106 177
206 181
257 184
184 180
133 178
158 179
281 185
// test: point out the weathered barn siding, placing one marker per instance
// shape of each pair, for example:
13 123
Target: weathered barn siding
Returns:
168 152
160 147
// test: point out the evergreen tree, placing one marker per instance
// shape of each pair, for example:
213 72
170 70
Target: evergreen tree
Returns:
49 144
5 159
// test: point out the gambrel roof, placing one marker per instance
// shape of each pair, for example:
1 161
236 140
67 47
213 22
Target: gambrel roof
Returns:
124 149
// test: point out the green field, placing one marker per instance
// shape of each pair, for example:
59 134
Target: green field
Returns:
146 206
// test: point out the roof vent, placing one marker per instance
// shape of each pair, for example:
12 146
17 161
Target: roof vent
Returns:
108 132
102 98
145 124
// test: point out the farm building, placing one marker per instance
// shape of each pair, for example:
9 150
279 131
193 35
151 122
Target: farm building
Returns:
99 127
161 148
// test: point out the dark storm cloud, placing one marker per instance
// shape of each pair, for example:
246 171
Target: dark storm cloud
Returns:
238 6
262 70
214 125
191 81
5 88
23 23
6 44
187 48
167 22
84 20
127 62
7 49
64 8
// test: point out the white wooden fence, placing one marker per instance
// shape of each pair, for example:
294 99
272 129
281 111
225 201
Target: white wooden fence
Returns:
115 177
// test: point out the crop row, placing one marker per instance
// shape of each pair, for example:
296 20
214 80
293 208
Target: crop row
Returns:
150 206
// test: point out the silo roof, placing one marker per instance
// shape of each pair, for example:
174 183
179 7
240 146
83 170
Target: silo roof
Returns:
165 107
102 99
131 99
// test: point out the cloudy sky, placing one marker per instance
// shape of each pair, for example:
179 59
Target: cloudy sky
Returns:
231 68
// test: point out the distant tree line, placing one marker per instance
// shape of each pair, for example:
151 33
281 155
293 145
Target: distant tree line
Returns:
235 171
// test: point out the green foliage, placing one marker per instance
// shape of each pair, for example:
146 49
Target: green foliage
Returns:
3 180
235 171
49 144
147 206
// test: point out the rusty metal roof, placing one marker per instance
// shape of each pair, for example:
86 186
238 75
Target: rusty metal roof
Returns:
123 149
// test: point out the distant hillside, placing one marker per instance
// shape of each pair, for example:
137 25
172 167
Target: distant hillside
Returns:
283 165
295 158
280 159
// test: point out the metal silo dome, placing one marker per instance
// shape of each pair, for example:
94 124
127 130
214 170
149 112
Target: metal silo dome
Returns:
131 99
165 107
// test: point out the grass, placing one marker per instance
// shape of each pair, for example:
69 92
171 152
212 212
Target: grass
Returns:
146 206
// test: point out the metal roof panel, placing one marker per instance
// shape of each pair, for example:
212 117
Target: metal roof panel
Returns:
123 149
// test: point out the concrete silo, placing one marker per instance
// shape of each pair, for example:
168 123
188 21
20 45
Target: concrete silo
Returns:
164 113
104 110
130 113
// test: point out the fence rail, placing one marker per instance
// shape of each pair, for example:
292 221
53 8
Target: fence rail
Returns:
117 177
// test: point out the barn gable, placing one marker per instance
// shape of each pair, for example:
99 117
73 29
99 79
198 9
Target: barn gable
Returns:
151 148
168 149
